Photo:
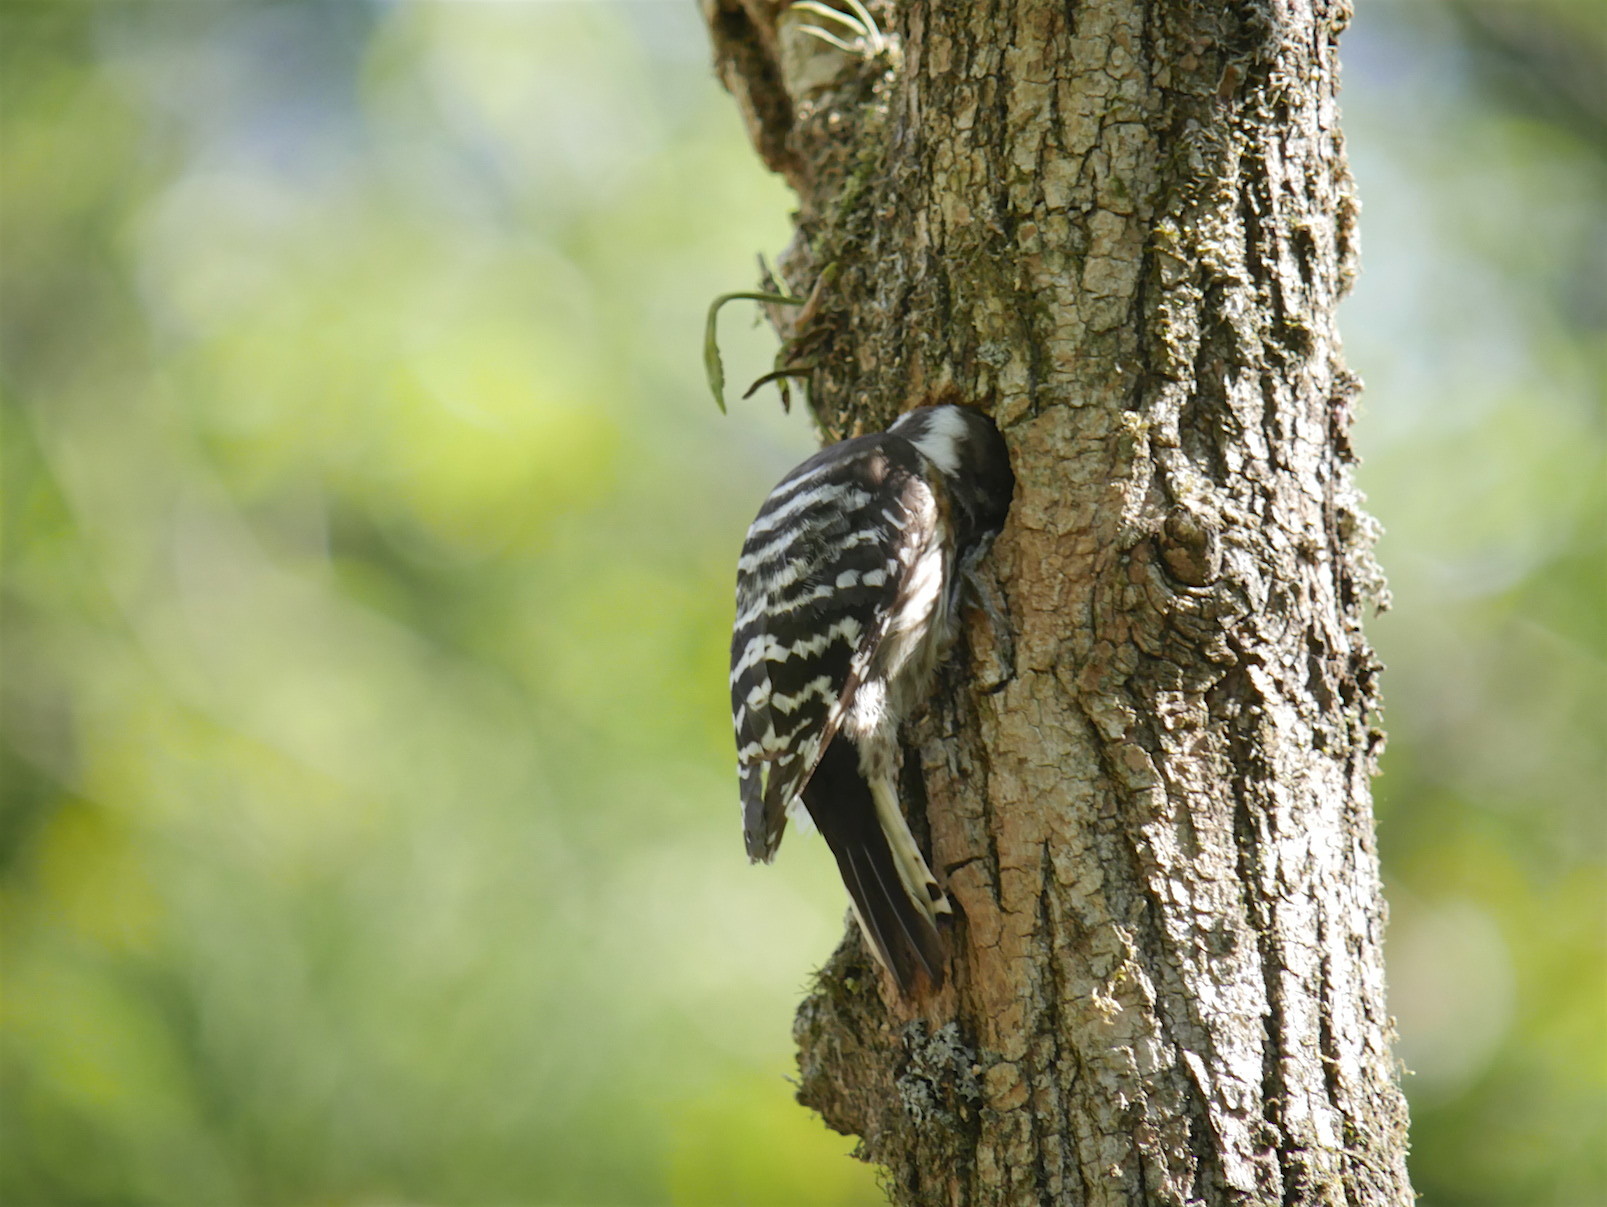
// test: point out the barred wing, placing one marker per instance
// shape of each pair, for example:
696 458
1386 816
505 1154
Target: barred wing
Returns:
821 567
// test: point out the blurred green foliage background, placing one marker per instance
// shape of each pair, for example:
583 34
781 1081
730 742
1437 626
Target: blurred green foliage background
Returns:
369 834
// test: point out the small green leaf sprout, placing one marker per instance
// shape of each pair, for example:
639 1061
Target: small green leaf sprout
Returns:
712 364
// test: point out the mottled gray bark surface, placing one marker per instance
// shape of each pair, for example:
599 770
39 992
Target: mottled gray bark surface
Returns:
1123 228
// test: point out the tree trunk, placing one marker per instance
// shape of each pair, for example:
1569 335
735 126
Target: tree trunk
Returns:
1122 228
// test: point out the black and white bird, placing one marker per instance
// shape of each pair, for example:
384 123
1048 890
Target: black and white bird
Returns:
848 599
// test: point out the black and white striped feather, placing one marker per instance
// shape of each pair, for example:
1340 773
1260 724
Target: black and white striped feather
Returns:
847 590
820 571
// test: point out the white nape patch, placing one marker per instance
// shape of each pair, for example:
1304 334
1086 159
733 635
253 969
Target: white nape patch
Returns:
940 442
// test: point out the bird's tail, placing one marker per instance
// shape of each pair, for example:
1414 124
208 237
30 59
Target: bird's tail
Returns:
895 896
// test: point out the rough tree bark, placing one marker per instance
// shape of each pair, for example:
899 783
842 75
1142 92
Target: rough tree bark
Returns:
1123 227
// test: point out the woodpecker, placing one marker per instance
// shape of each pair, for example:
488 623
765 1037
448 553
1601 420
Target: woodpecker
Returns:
847 601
